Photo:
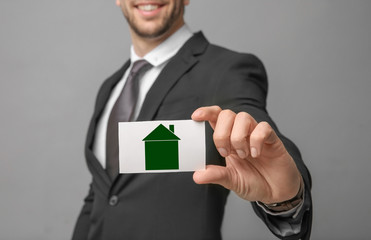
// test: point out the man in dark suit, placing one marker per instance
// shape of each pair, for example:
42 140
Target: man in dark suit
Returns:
246 153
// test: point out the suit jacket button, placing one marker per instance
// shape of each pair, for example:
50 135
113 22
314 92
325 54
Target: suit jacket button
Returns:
113 200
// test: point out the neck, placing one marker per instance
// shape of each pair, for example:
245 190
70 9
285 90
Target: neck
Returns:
143 45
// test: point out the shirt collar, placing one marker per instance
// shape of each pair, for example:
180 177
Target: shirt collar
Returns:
167 49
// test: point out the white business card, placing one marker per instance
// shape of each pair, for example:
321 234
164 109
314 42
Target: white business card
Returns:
161 146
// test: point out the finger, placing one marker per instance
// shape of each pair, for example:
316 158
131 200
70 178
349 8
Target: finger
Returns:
242 127
209 114
222 132
262 134
213 174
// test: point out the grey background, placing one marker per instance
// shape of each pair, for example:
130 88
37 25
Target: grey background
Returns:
55 54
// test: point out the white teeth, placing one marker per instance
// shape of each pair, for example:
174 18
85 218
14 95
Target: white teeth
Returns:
148 7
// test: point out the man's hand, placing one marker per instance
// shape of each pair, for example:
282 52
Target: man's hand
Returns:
258 166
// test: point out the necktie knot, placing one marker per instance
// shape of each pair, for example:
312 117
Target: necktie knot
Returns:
139 66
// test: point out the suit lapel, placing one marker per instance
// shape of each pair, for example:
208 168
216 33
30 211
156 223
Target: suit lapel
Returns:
102 98
185 59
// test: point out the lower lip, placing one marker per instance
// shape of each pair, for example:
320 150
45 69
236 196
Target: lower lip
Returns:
149 13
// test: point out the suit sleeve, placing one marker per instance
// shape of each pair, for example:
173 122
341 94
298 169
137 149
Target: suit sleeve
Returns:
243 87
83 221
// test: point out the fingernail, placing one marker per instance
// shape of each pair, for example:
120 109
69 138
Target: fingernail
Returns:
241 153
223 152
196 113
254 152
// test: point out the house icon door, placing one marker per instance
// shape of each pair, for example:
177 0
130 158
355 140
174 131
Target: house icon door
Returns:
161 149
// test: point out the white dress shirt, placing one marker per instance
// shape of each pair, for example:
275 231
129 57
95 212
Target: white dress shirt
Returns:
158 58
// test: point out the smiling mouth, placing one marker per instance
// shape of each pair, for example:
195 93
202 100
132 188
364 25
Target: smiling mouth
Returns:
148 7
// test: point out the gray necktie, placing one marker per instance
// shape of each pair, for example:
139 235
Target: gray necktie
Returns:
122 111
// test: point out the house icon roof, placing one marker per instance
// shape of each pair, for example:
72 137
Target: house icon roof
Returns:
161 133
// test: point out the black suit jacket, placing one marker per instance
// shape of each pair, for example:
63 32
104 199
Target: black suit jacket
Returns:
171 205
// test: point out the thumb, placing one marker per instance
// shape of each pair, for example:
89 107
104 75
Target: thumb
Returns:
213 174
209 114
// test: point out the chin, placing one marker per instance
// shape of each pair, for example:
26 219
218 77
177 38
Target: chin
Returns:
151 31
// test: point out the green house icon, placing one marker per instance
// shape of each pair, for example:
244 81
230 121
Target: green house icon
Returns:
161 149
